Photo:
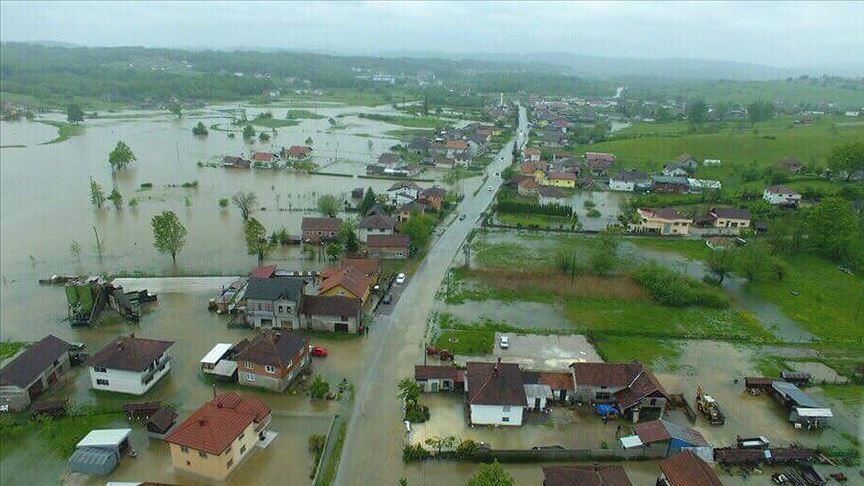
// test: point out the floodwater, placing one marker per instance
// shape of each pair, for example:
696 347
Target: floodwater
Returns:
525 315
607 203
44 206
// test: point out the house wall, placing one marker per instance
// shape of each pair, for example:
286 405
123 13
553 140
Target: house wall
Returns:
363 233
15 398
213 466
665 227
495 415
443 384
123 381
616 185
316 236
731 223
388 253
328 323
774 198
588 393
255 374
19 398
282 313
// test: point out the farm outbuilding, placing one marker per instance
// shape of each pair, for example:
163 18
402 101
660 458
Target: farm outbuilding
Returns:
99 452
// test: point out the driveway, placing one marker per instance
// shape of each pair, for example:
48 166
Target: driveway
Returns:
376 434
541 353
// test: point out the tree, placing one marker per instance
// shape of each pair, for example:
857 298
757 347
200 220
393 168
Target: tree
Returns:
697 113
97 194
308 141
116 198
439 443
74 114
492 475
121 156
833 228
176 109
333 250
328 205
319 387
245 201
348 235
758 111
169 235
256 238
426 104
845 159
263 137
721 263
223 203
605 257
409 390
753 261
367 202
248 132
200 130
75 250
419 228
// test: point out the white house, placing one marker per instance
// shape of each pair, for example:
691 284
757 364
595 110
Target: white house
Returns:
628 180
496 394
406 188
130 365
698 186
712 162
781 196
376 224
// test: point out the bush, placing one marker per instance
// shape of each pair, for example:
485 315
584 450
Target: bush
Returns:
223 203
466 448
671 288
414 453
319 387
192 184
506 205
589 204
146 185
593 213
417 413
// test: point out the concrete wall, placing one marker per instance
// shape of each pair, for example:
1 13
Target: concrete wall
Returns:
257 311
495 415
15 398
616 185
123 381
254 374
213 466
328 323
388 253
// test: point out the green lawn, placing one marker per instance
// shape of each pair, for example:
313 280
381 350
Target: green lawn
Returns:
655 353
303 115
59 435
850 395
692 249
470 343
540 220
790 92
274 122
830 303
9 348
65 130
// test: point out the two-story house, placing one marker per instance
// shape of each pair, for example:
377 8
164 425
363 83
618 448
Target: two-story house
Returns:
346 282
32 372
663 221
316 230
496 393
630 386
273 360
272 302
216 438
409 189
376 224
433 197
130 364
333 314
781 196
730 218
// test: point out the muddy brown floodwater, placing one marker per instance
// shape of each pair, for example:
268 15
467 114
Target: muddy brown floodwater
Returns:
44 206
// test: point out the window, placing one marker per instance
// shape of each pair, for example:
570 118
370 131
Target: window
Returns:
188 463
99 370
102 382
241 436
603 396
505 419
250 377
247 364
184 449
506 408
229 463
281 309
202 454
56 362
243 449
270 369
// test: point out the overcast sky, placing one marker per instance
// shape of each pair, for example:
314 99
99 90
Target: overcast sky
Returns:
784 34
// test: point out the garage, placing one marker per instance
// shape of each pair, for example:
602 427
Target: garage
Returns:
341 327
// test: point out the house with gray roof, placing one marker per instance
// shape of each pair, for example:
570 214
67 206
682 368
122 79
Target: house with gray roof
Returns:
273 302
32 372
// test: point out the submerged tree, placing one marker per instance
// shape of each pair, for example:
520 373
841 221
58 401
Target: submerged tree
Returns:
492 475
97 194
74 114
121 156
328 205
200 130
256 239
263 137
116 198
245 202
176 109
367 202
248 132
169 235
75 249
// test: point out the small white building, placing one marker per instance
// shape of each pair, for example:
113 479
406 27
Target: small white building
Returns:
628 180
130 365
712 162
781 196
496 394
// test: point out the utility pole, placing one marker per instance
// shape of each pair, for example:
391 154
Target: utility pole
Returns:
98 243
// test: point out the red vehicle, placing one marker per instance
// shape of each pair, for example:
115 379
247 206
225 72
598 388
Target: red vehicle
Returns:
318 351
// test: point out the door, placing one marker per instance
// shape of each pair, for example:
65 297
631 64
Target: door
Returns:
267 323
434 386
537 403
341 327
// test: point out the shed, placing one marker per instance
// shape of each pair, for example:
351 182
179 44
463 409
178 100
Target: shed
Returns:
792 396
161 422
93 461
109 439
797 377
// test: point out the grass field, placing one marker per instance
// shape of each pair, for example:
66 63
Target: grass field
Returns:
421 122
9 348
303 115
692 249
274 122
656 353
470 343
851 395
65 130
789 92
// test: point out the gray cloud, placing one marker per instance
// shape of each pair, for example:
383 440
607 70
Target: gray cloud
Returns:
786 34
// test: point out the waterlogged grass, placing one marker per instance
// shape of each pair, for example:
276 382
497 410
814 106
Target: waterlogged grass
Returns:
274 122
691 249
58 435
829 304
850 395
329 473
540 220
65 131
423 122
468 342
303 115
656 353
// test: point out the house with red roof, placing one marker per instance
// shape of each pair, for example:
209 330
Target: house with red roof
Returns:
299 151
214 440
496 393
346 282
273 360
631 387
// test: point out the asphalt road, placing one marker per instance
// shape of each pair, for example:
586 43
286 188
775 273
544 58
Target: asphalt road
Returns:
372 453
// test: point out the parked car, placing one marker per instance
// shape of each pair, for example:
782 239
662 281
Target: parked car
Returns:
490 188
504 342
319 351
462 217
387 299
400 279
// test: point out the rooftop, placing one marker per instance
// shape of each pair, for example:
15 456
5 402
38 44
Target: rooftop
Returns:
29 364
377 221
388 241
213 427
320 224
662 430
495 384
290 288
349 278
585 475
686 469
275 348
319 305
129 353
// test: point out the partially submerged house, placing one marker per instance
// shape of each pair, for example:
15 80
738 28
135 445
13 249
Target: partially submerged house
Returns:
661 438
273 302
436 379
630 387
543 386
130 364
316 230
496 395
376 224
100 451
220 360
388 247
334 314
32 372
216 438
273 359
585 475
687 469
161 422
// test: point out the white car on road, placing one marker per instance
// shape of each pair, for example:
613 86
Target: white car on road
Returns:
400 279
